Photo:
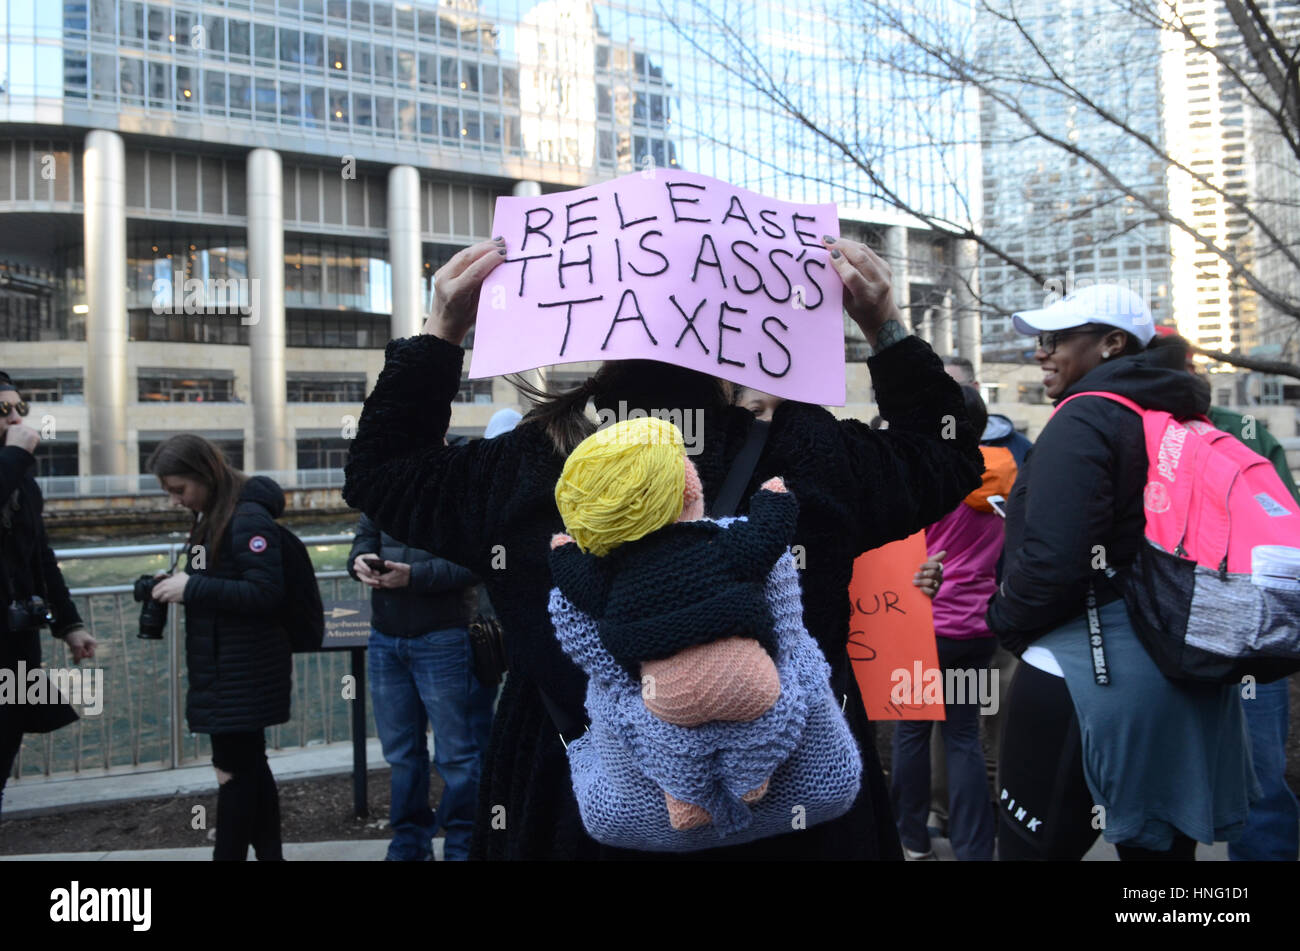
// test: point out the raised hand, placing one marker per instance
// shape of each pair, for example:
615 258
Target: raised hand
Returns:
868 285
456 287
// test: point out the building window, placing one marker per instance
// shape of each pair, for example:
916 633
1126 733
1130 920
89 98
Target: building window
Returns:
474 391
57 457
49 389
318 389
172 387
232 449
323 453
330 329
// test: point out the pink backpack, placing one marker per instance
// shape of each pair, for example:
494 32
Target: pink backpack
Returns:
1214 594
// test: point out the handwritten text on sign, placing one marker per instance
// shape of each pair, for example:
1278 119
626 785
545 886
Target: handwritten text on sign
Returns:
670 266
891 629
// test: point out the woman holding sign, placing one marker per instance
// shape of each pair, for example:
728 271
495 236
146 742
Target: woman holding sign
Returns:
490 505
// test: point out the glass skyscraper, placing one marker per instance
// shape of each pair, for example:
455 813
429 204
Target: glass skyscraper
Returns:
167 169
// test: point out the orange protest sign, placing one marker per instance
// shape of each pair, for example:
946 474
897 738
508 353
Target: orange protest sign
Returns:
891 634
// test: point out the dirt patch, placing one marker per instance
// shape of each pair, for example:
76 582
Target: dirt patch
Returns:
311 810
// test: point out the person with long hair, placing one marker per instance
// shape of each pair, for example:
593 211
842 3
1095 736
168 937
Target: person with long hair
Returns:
1119 750
32 590
236 651
490 505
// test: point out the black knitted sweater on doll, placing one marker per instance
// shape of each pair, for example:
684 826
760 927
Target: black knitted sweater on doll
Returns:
682 585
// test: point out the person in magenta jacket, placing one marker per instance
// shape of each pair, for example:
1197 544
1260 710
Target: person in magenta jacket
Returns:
968 541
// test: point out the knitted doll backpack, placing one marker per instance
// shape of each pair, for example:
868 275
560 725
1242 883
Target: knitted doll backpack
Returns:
792 766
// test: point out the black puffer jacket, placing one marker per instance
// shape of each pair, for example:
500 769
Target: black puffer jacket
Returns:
1078 498
434 600
856 489
29 569
240 663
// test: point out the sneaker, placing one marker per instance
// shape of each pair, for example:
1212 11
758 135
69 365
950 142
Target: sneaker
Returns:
926 856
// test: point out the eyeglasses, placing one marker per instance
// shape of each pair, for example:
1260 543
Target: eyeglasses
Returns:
7 408
1048 340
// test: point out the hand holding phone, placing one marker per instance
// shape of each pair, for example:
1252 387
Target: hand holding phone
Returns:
377 565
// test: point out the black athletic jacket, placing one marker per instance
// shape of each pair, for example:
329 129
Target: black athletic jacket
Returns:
1078 498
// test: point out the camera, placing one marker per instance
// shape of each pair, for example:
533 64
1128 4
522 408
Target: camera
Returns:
29 613
153 614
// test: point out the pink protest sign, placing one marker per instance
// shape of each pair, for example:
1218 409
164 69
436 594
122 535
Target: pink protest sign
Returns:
672 266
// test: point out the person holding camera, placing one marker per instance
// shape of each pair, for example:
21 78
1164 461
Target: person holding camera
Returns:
32 585
237 650
422 672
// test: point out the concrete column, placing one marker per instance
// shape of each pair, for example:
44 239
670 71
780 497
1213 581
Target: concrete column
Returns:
896 256
530 189
967 293
942 339
925 326
271 449
106 327
405 254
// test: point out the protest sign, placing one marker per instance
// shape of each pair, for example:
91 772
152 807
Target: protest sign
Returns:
673 266
891 634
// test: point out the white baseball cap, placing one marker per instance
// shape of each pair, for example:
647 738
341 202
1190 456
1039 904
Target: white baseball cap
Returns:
1111 304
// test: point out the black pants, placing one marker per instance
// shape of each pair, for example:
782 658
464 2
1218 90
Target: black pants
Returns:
248 804
1045 809
11 741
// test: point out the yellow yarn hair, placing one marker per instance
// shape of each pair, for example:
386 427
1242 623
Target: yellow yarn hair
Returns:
622 483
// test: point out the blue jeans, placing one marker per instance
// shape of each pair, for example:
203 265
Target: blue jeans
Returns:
415 681
970 824
1273 827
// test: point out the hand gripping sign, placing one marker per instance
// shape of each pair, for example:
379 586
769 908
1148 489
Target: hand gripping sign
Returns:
676 267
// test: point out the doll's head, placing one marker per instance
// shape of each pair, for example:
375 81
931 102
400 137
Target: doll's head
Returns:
626 481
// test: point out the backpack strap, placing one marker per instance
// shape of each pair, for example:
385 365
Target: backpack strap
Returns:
1113 397
569 728
742 470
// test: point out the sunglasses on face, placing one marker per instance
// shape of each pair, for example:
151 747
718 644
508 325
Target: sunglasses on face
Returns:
7 408
1048 340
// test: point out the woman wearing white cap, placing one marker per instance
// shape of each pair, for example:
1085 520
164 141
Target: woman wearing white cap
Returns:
1152 765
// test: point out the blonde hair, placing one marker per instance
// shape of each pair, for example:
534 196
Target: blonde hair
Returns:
621 483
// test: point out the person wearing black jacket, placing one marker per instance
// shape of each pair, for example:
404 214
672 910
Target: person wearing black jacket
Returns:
494 501
237 651
421 673
1101 742
28 570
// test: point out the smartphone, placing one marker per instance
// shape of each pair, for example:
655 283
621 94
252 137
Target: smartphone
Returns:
376 565
997 502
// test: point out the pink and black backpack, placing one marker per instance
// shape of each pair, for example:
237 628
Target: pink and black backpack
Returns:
1214 594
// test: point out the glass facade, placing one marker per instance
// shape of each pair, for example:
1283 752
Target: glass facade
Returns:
476 94
603 87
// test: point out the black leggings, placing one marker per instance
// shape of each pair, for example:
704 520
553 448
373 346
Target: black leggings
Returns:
1045 810
248 804
11 741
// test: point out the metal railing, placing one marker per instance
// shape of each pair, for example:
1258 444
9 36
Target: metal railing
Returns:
142 723
101 486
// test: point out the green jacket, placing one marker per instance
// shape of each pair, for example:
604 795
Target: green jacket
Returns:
1260 441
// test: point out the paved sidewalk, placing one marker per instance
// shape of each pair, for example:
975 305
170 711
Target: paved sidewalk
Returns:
1102 851
354 850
